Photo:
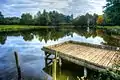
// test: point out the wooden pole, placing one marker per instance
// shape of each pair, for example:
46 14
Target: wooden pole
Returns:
85 72
54 67
60 62
18 66
46 63
47 59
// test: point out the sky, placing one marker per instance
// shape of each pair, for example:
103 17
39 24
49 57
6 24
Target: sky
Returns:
75 7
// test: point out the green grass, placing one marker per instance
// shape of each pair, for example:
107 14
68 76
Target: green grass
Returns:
7 28
109 27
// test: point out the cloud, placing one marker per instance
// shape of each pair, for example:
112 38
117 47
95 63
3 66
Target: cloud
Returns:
76 7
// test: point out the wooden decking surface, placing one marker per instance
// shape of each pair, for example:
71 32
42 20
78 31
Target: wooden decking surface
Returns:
101 58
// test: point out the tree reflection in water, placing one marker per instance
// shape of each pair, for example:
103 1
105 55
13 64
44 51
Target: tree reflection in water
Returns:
110 36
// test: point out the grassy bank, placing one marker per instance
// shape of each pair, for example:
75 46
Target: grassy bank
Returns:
109 27
8 28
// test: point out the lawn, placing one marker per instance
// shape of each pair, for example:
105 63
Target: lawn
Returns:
8 28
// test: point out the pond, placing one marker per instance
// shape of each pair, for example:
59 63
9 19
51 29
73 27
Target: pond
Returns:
28 45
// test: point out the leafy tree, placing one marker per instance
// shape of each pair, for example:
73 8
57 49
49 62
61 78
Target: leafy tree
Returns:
41 18
51 18
12 20
85 20
100 20
95 17
89 18
37 18
54 17
44 18
26 19
1 18
82 21
112 11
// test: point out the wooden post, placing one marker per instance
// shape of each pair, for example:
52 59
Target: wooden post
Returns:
54 69
60 62
17 65
46 62
46 59
56 55
85 72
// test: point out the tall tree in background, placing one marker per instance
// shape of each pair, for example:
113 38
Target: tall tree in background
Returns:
44 18
112 11
95 17
37 18
89 18
1 18
80 21
26 19
51 18
85 20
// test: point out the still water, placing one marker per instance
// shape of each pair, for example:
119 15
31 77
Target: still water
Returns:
28 44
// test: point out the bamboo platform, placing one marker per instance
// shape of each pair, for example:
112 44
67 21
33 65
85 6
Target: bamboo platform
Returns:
95 57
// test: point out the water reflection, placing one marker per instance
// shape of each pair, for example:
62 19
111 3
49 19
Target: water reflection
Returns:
28 44
53 34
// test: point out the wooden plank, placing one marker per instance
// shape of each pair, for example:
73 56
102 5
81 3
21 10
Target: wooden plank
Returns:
98 56
93 54
111 54
63 48
101 56
111 63
103 59
90 54
82 52
69 49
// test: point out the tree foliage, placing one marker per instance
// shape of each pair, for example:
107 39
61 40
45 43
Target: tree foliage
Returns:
26 19
100 20
44 18
85 20
51 18
1 18
112 12
12 20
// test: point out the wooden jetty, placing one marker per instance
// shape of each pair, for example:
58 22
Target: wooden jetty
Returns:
95 57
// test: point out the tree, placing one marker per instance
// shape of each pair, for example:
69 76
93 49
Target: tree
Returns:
89 19
80 21
95 17
44 18
112 11
12 20
26 19
41 18
37 18
1 18
100 20
52 18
